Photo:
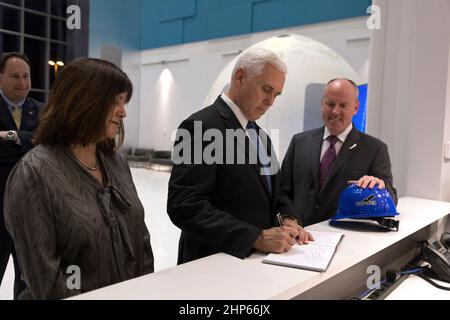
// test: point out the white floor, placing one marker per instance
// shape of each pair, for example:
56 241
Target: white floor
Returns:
152 189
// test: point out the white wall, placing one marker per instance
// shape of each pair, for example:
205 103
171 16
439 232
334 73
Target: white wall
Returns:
131 65
130 62
409 91
163 108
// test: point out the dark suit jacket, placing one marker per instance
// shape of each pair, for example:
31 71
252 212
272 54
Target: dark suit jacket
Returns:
10 152
218 207
360 155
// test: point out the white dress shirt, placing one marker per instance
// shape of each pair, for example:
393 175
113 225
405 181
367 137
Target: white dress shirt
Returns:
236 110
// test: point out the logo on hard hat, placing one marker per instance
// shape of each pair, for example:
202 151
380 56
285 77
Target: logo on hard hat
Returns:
367 201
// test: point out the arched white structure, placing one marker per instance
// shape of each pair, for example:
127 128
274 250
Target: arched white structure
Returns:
310 65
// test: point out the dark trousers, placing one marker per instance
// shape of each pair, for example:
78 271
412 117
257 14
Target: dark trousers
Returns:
6 249
6 243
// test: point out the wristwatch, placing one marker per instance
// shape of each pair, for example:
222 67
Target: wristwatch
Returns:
11 135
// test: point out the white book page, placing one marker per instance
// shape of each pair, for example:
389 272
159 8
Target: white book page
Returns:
323 238
314 256
304 257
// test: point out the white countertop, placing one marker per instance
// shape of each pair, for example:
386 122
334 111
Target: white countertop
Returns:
224 277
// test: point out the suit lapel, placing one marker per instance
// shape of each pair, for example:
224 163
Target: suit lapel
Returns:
5 116
231 122
29 110
315 148
349 146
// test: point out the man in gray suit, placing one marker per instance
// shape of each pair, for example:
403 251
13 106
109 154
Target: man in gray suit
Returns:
320 162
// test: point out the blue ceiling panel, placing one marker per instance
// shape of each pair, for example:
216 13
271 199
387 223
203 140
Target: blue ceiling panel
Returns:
230 21
268 15
176 9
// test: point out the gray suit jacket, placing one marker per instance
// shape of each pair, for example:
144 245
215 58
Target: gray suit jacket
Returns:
360 155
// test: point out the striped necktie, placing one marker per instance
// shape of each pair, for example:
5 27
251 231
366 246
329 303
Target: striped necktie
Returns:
17 115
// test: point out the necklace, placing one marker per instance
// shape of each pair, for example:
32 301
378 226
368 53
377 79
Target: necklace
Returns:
88 167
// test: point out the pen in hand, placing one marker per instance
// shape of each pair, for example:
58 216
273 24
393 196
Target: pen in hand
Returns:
280 223
280 220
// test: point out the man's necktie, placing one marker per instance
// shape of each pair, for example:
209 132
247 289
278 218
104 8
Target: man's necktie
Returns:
261 151
327 160
17 115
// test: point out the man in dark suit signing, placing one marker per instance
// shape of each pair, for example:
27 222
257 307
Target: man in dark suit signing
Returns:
320 162
18 121
218 197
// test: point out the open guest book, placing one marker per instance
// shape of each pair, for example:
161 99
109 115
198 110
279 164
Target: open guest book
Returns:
314 256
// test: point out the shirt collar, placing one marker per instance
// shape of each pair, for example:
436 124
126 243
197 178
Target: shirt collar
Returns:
236 110
9 103
342 136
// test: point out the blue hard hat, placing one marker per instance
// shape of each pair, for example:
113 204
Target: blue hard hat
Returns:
370 204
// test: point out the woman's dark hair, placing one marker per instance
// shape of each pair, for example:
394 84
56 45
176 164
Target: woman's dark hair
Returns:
82 98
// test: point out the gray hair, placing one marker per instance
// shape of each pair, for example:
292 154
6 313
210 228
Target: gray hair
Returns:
253 60
345 79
